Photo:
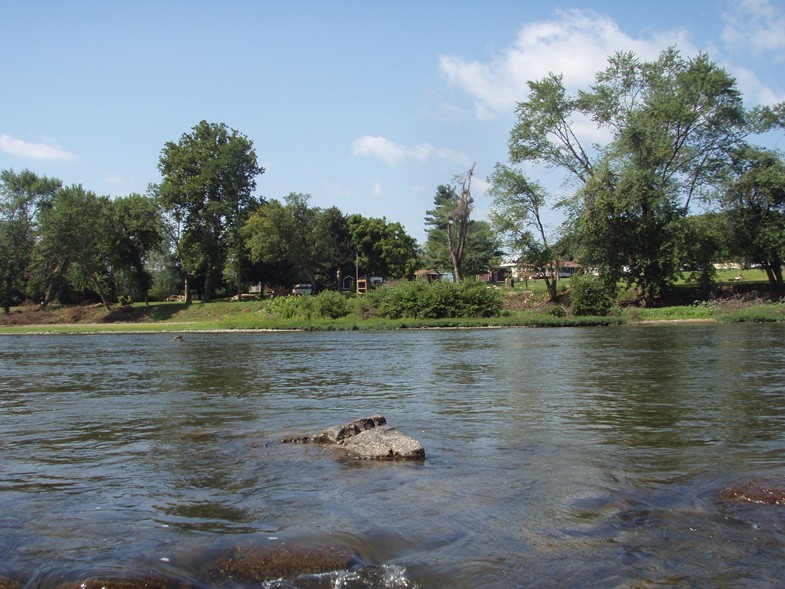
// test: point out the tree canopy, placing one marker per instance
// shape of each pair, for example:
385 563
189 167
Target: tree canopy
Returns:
209 177
673 124
22 195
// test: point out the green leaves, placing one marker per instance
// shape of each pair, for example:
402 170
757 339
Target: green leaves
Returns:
208 181
673 123
384 248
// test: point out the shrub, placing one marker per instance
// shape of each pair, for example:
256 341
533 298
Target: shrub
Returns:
437 300
286 307
589 297
331 304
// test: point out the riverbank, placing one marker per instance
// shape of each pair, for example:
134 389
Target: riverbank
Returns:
252 316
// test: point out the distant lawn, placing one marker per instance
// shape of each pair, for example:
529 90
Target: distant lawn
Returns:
525 308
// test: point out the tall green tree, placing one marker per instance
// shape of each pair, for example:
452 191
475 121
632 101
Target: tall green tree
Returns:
383 247
21 197
279 235
754 199
333 247
77 236
137 234
299 243
209 177
672 122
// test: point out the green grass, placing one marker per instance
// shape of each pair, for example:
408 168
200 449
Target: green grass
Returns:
251 315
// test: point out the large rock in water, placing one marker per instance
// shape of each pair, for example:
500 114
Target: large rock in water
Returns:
368 438
762 492
258 564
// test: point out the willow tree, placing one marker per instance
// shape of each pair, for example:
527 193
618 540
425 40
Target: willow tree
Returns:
209 177
671 123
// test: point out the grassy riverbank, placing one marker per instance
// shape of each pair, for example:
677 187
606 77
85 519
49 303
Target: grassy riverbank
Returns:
253 315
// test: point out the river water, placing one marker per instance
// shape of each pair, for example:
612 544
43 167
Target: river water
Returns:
593 457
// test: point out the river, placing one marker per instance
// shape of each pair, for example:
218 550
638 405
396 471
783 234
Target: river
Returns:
590 457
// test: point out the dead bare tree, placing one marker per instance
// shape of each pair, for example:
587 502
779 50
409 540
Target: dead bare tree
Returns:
458 225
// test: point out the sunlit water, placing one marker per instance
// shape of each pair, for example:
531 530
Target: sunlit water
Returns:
554 457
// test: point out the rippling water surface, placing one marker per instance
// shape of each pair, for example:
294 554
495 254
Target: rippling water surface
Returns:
554 458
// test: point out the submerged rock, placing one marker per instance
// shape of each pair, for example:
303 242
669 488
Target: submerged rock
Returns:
152 581
763 492
258 563
6 583
368 438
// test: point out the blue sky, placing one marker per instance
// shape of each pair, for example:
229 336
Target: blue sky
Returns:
365 105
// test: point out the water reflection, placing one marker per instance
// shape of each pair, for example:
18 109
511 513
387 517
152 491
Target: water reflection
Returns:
569 457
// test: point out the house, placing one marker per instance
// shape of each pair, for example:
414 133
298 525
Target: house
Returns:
501 275
568 268
556 269
428 275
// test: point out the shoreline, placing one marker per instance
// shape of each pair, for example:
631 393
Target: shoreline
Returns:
108 329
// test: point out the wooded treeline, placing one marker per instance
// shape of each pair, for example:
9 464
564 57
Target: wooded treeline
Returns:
677 186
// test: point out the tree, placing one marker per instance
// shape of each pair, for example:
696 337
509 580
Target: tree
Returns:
299 243
279 235
480 249
383 248
137 233
755 200
516 212
208 181
333 245
450 218
76 236
21 197
673 123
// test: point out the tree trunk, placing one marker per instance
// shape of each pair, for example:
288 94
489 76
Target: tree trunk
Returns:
456 266
208 284
99 289
776 268
187 286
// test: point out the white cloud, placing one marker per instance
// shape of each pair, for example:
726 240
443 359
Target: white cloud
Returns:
576 44
387 151
755 25
755 91
377 189
38 151
394 153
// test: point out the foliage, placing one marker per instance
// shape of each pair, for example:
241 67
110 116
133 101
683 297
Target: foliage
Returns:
705 241
754 198
22 195
481 251
208 181
672 123
589 296
332 304
76 240
516 214
437 300
450 225
383 248
294 242
137 233
328 304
